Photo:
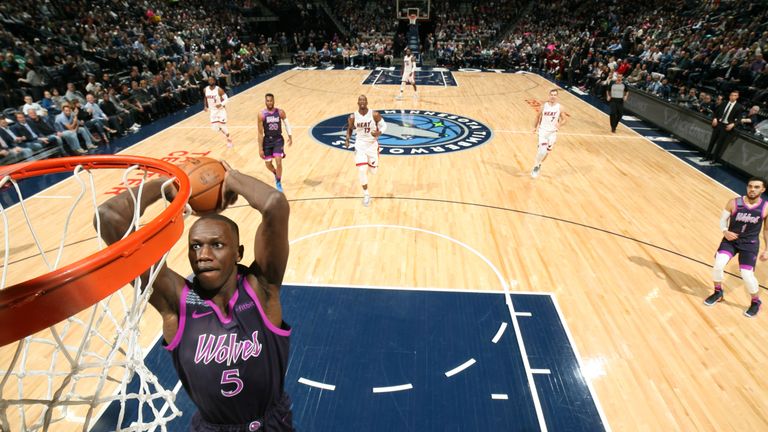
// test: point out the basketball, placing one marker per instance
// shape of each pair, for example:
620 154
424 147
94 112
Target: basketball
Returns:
206 178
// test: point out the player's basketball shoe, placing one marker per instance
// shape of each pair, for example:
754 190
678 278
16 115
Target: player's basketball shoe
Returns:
366 200
279 185
536 171
230 144
754 308
717 296
399 97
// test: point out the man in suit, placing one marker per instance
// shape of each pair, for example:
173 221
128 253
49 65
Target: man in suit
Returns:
43 126
31 134
9 136
724 121
11 153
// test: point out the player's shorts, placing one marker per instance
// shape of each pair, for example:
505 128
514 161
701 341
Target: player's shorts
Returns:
278 418
367 154
409 78
747 252
273 146
218 118
548 138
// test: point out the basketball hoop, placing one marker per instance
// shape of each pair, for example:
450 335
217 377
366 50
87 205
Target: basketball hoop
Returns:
78 351
412 18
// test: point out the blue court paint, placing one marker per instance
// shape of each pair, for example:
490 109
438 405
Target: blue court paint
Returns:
424 77
358 339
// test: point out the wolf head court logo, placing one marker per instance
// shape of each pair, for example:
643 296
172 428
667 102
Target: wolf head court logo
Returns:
412 132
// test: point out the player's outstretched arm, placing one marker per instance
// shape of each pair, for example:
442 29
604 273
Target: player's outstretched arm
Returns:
116 215
288 131
270 247
538 119
725 217
223 98
260 134
350 126
764 255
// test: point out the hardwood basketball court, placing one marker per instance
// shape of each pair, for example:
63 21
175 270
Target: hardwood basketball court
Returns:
620 231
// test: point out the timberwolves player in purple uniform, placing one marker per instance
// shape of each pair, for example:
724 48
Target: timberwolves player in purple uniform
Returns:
271 138
225 329
741 223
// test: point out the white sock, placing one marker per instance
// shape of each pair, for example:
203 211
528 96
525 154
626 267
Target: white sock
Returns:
541 154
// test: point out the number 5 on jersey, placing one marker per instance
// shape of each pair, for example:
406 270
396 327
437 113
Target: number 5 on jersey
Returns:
231 376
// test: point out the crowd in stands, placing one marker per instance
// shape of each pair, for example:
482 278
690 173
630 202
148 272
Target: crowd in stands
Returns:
688 53
465 33
77 74
369 41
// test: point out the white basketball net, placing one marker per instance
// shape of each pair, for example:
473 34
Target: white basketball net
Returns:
63 378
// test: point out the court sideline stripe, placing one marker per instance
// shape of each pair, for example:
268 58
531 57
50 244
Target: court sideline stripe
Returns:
575 349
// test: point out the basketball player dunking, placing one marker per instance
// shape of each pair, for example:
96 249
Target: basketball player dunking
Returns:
548 122
224 329
741 223
368 126
216 102
271 138
409 73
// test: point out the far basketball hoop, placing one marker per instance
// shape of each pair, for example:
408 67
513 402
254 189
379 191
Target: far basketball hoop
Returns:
413 10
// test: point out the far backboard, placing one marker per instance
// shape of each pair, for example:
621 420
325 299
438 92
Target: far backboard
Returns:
406 7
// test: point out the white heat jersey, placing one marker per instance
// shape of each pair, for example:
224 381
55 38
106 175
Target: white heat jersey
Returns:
409 68
364 125
550 117
218 115
408 64
212 96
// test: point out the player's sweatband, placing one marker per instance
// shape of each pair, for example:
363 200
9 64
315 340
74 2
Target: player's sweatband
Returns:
724 217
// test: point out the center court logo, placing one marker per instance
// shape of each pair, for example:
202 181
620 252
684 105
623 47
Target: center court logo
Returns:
412 132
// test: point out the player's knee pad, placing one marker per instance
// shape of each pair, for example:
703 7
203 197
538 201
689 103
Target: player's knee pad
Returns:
717 270
362 171
748 276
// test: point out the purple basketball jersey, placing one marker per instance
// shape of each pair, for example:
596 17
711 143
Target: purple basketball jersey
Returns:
232 367
747 222
271 123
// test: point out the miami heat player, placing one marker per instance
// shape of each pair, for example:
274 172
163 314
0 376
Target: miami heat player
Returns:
368 126
548 122
409 73
216 103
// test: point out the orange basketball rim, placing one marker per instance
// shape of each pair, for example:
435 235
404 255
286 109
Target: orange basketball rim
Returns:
33 305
